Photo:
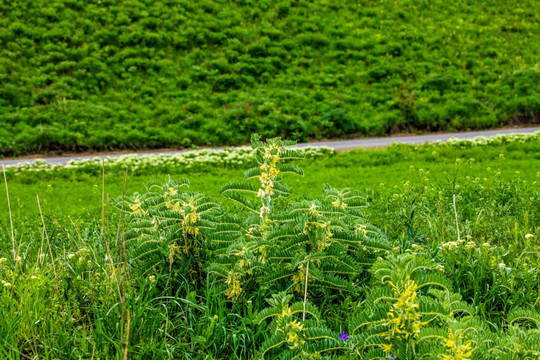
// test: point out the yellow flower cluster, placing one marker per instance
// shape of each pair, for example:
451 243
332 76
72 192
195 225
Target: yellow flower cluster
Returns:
339 203
188 224
233 286
459 348
294 334
173 250
403 317
286 312
263 250
189 221
299 279
269 172
137 208
174 207
327 234
293 329
170 192
361 228
244 262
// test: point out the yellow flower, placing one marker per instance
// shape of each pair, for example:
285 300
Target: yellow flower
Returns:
299 278
293 337
361 228
137 208
403 317
457 348
171 191
294 328
233 290
286 312
387 347
296 325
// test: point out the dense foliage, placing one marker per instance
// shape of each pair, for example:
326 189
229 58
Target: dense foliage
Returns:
111 74
436 270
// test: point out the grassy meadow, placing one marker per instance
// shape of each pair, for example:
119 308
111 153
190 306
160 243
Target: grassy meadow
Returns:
79 192
270 251
410 252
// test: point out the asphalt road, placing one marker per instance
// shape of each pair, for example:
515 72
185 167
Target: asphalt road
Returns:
338 145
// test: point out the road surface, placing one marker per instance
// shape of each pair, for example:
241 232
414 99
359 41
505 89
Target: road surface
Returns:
338 145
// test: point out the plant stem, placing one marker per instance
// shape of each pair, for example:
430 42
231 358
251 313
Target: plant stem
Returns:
305 292
455 212
48 243
10 218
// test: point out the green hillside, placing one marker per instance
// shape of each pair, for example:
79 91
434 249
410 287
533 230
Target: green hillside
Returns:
111 74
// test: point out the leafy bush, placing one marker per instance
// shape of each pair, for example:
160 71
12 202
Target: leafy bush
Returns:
317 251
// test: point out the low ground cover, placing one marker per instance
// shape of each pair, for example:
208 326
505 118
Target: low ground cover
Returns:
436 256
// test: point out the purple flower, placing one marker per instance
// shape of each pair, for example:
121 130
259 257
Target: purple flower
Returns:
390 357
344 336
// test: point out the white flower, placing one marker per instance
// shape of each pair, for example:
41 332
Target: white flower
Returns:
528 236
264 210
451 245
502 265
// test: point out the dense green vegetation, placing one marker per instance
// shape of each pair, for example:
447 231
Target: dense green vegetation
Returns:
172 273
111 74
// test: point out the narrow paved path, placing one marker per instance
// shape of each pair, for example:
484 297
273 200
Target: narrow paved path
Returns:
342 144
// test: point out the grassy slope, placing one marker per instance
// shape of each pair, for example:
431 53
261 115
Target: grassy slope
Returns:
114 74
